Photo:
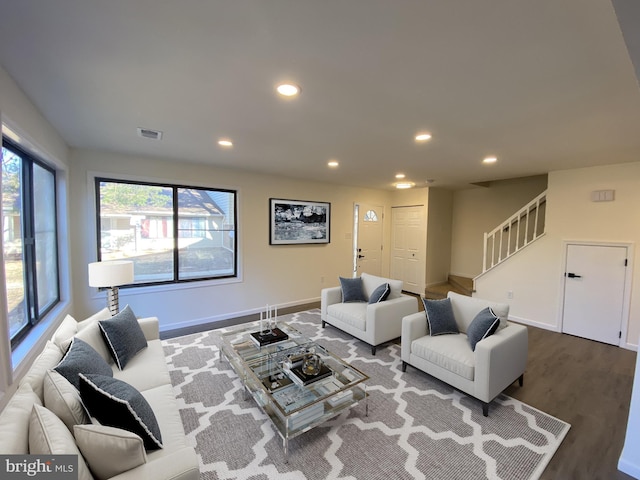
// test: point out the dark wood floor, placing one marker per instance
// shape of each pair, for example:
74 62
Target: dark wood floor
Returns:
587 384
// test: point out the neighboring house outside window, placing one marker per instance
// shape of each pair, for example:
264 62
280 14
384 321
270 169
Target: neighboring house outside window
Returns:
29 239
171 233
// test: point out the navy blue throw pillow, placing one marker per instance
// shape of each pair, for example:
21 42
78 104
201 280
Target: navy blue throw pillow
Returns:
440 318
483 325
352 290
380 294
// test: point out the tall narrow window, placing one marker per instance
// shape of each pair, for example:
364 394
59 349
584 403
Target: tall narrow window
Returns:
171 233
29 239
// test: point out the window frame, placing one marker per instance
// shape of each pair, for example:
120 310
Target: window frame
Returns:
235 276
30 279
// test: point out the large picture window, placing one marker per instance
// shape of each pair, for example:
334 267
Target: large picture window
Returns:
171 233
29 239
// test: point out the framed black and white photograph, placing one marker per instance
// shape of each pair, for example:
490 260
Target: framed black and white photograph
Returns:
298 222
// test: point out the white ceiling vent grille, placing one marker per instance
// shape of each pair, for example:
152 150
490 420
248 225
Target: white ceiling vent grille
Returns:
148 133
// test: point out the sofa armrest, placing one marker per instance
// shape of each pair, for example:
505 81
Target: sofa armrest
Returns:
329 296
500 360
384 319
413 327
181 464
150 328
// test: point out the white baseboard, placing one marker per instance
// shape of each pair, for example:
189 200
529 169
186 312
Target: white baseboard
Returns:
167 327
533 323
628 467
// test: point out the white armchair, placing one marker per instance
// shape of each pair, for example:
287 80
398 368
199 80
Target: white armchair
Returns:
498 360
374 323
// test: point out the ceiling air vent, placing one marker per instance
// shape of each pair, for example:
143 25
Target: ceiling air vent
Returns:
148 133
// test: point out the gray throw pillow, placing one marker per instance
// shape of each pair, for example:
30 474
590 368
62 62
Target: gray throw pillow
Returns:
115 403
81 358
440 318
483 325
380 294
352 290
123 336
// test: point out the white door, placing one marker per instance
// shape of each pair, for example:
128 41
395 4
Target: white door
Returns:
408 247
368 252
594 286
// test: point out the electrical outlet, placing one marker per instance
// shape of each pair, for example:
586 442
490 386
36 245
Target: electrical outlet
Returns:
510 294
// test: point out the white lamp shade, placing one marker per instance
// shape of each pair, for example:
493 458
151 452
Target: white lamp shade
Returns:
110 274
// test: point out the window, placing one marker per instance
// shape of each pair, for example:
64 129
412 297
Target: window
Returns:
171 233
370 216
29 239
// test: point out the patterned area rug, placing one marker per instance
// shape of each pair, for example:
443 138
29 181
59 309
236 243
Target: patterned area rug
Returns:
417 427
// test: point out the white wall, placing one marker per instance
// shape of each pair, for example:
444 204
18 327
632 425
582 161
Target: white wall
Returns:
535 274
34 133
439 229
480 209
282 274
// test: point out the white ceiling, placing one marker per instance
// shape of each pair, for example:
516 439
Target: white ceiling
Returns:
543 85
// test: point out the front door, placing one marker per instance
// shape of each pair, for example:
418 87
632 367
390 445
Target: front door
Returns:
594 286
368 245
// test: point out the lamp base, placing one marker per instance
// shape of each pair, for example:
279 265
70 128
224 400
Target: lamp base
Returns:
112 300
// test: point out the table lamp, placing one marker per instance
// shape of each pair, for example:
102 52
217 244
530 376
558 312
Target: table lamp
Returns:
110 275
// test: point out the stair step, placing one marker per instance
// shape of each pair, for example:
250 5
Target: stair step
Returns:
461 285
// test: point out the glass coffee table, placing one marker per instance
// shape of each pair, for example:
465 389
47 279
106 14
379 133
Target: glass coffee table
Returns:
271 374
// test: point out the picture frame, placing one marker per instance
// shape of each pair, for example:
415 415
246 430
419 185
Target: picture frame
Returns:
299 222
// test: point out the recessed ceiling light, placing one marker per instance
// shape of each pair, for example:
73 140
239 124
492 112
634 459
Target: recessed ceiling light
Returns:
423 137
404 185
288 89
333 163
490 160
400 175
224 142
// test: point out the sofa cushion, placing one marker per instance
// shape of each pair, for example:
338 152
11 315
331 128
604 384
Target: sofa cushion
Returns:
484 324
14 421
65 331
352 290
440 317
380 294
123 336
92 335
466 308
49 436
115 403
63 399
143 370
450 352
371 282
103 314
354 314
109 451
49 358
81 358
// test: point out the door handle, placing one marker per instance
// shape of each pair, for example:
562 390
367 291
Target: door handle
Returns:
360 256
573 275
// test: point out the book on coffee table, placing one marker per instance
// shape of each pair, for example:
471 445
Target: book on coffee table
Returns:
261 338
301 378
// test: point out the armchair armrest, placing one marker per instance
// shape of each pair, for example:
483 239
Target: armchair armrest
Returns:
329 296
384 319
150 327
500 360
413 326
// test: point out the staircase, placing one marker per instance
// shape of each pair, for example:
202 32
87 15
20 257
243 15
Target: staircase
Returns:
455 283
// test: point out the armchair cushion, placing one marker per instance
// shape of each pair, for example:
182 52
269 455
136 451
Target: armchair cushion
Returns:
352 290
440 317
484 324
380 294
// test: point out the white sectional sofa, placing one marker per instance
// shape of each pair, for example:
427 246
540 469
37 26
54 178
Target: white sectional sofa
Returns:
498 360
374 323
44 413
